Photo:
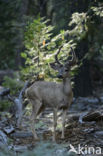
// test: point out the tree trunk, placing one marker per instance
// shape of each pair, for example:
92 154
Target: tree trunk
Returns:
82 81
22 12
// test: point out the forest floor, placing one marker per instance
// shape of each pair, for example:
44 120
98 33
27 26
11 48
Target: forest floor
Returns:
84 127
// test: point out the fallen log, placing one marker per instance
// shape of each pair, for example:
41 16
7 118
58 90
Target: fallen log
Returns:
21 134
93 116
18 104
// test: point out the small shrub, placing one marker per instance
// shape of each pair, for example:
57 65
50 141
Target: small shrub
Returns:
4 104
14 84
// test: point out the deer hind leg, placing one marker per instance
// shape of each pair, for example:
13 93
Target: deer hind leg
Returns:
36 105
54 123
63 122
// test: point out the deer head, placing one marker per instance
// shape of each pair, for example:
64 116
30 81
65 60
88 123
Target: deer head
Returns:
63 69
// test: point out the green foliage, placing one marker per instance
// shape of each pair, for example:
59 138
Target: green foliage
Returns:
14 84
4 104
89 25
78 21
41 46
95 35
98 10
40 124
9 34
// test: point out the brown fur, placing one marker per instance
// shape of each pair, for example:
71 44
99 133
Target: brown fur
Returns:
50 94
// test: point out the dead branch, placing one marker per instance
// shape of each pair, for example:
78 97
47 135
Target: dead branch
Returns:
18 105
21 134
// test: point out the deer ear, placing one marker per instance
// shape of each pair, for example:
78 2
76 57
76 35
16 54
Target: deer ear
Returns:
54 66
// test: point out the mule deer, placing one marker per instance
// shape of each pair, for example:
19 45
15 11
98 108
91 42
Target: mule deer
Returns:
50 94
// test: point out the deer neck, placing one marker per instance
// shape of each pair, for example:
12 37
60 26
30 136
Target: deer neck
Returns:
67 85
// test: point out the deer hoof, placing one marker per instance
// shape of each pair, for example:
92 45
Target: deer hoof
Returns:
36 139
62 137
54 139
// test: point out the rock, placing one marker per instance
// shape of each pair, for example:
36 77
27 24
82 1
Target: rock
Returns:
60 152
81 117
72 154
99 133
74 116
20 148
21 134
3 138
89 130
9 129
84 103
86 100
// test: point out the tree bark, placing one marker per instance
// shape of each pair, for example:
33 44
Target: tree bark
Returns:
22 12
83 85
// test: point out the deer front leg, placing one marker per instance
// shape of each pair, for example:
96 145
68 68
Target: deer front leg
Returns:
36 105
54 123
63 122
33 118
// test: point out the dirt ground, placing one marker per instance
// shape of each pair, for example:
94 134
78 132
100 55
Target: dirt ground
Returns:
77 132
